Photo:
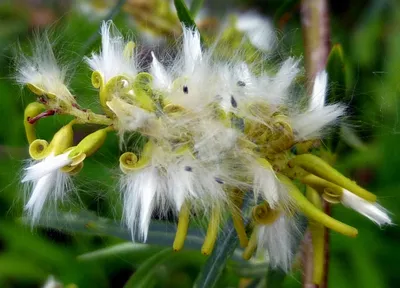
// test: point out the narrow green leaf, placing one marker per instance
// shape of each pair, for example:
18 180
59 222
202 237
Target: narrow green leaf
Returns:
115 250
336 69
226 244
184 14
144 276
224 250
160 233
195 7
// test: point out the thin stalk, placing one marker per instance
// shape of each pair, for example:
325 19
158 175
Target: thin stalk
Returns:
315 26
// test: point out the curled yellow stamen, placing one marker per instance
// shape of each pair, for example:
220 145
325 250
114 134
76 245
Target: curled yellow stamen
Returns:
282 137
317 236
320 184
183 224
106 89
313 213
97 80
212 232
264 215
73 170
319 167
128 162
38 149
142 90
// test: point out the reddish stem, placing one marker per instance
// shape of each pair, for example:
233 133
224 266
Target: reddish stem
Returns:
32 120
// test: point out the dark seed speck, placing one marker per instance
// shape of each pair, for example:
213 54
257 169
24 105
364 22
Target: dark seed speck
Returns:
233 102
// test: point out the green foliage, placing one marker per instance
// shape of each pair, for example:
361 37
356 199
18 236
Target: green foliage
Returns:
184 13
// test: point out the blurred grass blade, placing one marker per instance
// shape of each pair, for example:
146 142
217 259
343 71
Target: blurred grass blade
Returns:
350 137
195 7
115 250
336 69
144 276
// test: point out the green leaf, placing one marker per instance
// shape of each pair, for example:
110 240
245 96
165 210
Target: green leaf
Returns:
117 250
195 7
224 248
144 276
15 266
185 16
275 278
160 233
336 69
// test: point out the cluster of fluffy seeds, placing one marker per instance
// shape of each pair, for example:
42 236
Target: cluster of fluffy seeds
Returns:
214 129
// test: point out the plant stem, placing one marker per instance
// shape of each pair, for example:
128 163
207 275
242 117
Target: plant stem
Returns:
315 25
89 117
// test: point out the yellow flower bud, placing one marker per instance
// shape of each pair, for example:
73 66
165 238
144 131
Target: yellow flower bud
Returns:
91 143
62 140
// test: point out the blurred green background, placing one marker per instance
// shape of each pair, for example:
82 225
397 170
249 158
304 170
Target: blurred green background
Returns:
369 32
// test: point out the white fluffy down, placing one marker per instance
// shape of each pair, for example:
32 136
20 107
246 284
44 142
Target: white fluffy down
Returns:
372 211
279 240
111 60
43 70
51 188
258 29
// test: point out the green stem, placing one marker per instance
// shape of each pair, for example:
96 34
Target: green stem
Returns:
89 117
